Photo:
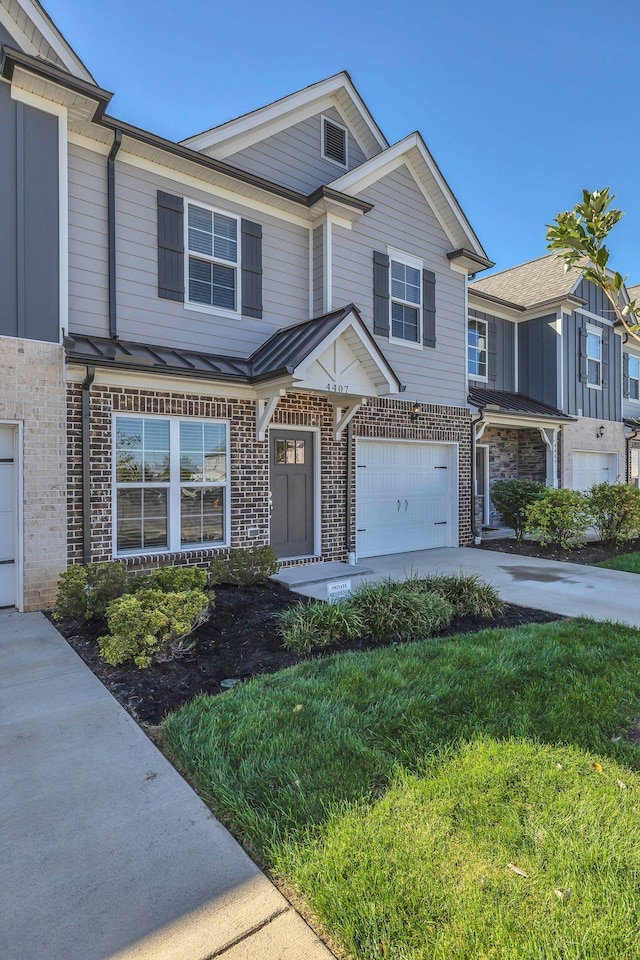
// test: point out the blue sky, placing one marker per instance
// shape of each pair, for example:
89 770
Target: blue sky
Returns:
521 104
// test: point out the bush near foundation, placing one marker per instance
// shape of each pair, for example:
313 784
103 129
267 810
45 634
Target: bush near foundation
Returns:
170 580
244 567
615 511
512 498
86 590
559 518
152 626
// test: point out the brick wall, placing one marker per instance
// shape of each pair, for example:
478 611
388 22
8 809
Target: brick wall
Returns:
32 392
514 455
249 461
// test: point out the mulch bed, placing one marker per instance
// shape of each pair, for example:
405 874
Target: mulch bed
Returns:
238 642
591 553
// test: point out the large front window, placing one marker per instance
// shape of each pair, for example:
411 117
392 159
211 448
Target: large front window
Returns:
477 348
171 483
212 244
406 300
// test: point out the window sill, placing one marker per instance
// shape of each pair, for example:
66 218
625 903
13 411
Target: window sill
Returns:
594 386
212 311
183 552
406 343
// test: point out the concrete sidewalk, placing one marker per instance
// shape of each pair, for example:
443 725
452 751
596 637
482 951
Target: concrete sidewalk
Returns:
106 851
570 589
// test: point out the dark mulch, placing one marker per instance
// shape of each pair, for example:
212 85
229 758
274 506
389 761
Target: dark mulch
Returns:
239 641
589 554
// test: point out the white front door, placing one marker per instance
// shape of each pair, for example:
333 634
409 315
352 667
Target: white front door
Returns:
8 517
590 468
406 497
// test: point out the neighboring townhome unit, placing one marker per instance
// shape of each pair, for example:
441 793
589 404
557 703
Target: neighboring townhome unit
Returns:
631 398
546 375
265 338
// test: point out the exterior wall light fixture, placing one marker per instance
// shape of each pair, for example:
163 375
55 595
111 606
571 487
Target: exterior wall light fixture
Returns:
415 411
600 431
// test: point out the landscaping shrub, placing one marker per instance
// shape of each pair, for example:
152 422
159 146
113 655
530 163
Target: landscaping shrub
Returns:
86 590
244 567
318 624
615 511
171 580
559 518
467 594
512 497
399 610
151 625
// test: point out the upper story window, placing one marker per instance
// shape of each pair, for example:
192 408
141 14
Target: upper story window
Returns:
406 298
213 258
477 333
594 356
634 377
334 142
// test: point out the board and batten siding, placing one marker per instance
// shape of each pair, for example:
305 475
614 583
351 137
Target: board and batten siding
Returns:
29 222
402 219
538 360
293 157
581 400
142 316
597 301
501 344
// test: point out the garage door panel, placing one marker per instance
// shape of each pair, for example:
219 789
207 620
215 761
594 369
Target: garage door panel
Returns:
591 467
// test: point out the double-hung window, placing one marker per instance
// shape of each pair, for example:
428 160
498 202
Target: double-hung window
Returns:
594 357
634 377
477 331
406 298
170 484
213 258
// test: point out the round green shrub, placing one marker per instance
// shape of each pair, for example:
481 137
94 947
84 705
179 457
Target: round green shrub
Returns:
512 498
559 518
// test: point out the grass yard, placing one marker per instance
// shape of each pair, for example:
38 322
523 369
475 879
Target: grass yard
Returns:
629 562
394 788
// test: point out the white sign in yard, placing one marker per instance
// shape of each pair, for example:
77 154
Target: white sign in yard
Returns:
339 590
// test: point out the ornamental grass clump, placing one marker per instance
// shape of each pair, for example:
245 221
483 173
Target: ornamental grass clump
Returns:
399 610
319 624
151 625
559 518
615 511
467 593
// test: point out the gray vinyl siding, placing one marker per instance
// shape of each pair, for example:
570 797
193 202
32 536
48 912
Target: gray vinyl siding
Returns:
538 360
631 408
402 219
141 315
293 157
29 214
501 341
580 399
318 270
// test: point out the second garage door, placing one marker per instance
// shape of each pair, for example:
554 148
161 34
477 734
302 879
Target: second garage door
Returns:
406 497
590 468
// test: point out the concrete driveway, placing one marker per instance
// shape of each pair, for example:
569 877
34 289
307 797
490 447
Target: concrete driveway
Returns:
570 589
106 851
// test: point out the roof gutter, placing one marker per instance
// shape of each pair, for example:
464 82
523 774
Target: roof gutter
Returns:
111 230
12 59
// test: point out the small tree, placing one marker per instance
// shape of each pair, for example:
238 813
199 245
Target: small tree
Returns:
579 237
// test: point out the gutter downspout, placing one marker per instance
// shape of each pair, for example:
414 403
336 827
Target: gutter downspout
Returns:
475 533
351 549
627 441
111 230
86 466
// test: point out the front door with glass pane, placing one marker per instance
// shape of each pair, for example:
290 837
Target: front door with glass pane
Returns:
292 493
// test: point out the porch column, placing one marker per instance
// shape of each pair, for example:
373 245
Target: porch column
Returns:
550 437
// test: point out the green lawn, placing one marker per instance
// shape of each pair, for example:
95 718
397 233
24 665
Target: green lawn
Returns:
630 562
393 788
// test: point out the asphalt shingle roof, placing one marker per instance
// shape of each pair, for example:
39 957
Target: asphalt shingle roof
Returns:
530 283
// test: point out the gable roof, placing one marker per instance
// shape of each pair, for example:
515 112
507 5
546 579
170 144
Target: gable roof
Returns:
414 153
234 135
530 283
36 34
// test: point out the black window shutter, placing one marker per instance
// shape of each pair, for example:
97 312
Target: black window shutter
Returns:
492 356
582 347
428 308
625 375
251 269
380 294
170 247
605 358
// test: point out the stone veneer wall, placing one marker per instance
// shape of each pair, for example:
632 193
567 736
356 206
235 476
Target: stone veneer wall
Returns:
514 454
32 392
249 461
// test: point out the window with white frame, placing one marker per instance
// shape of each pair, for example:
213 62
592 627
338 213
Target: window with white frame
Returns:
634 377
213 258
477 333
170 483
406 298
594 357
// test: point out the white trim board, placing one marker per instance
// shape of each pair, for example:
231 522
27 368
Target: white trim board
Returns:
50 33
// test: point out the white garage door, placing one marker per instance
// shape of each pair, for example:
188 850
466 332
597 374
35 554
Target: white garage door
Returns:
406 496
8 505
590 468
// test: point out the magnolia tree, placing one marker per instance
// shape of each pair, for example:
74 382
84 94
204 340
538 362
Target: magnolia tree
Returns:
579 237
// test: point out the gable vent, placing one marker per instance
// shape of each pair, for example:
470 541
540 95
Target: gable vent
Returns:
334 142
